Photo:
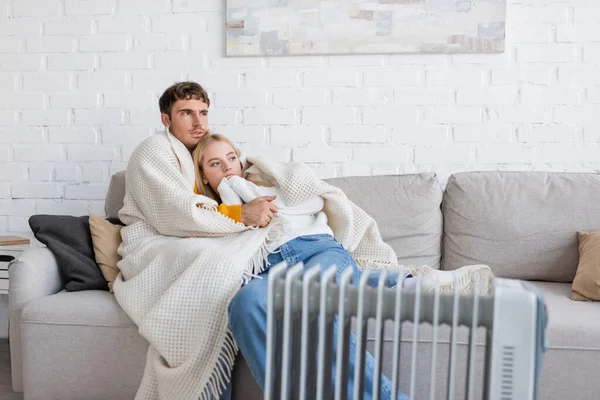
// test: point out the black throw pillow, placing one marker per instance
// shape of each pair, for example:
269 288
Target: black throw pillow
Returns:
70 240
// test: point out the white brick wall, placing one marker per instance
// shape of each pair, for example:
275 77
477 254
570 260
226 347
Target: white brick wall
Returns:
80 81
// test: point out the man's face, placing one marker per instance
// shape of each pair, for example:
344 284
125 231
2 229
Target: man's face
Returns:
188 122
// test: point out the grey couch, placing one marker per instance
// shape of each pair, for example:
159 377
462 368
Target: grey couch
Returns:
81 345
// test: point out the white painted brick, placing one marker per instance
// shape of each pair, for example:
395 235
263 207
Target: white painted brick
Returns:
129 25
39 153
581 32
588 11
20 27
86 192
528 33
19 100
98 117
353 97
218 62
160 43
131 100
453 115
420 135
419 59
46 117
90 81
7 117
183 6
125 134
356 60
20 62
454 76
423 96
355 169
299 97
150 116
394 154
70 62
18 224
580 75
66 173
22 135
321 115
94 173
4 194
325 170
576 115
321 153
296 134
547 133
593 94
526 14
33 8
63 207
179 23
108 43
241 98
125 61
359 134
591 52
73 100
40 172
97 207
271 116
591 134
388 169
9 44
331 78
21 208
402 76
452 154
35 191
93 153
8 81
155 81
274 152
215 81
521 74
47 82
500 95
279 78
144 7
559 153
505 153
482 134
12 172
89 7
117 167
51 44
541 95
174 60
548 53
515 115
297 61
71 135
483 58
127 150
72 26
5 152
242 134
391 117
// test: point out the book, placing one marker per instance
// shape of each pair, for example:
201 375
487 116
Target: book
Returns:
13 241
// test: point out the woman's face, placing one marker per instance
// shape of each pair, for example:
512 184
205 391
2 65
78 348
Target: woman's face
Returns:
220 161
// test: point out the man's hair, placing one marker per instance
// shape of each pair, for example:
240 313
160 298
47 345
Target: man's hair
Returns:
181 91
198 156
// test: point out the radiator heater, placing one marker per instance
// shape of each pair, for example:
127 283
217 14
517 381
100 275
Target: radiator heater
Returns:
499 358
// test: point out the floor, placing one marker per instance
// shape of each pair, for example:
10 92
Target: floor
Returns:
6 392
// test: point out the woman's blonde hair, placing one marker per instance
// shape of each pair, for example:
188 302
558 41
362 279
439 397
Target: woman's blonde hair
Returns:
198 156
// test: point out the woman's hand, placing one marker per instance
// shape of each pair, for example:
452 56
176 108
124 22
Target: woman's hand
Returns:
259 211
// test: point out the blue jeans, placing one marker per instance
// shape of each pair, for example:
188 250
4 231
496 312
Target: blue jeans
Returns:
248 309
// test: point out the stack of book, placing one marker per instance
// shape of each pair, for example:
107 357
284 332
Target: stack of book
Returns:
9 249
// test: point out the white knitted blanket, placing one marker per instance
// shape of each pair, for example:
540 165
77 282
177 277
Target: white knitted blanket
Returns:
182 264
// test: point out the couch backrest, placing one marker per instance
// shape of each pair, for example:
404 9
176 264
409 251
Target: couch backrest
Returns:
523 224
406 208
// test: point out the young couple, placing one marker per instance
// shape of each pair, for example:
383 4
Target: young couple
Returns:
258 194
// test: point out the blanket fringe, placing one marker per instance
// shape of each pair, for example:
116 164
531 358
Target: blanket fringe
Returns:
221 375
389 266
259 261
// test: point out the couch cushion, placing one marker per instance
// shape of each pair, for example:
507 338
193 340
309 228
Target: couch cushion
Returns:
115 195
586 285
523 224
406 209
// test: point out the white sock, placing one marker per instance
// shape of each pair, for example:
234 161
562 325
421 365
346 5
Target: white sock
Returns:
228 195
247 190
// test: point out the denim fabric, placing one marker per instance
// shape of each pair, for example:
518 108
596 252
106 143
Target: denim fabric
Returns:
248 309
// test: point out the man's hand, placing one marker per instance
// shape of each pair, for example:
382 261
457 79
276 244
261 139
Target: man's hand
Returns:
259 211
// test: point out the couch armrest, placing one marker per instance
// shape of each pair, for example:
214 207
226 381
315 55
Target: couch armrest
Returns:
32 276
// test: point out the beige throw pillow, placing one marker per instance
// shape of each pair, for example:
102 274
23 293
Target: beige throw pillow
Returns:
586 285
106 239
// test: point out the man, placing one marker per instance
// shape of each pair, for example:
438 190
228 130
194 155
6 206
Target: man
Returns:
184 112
